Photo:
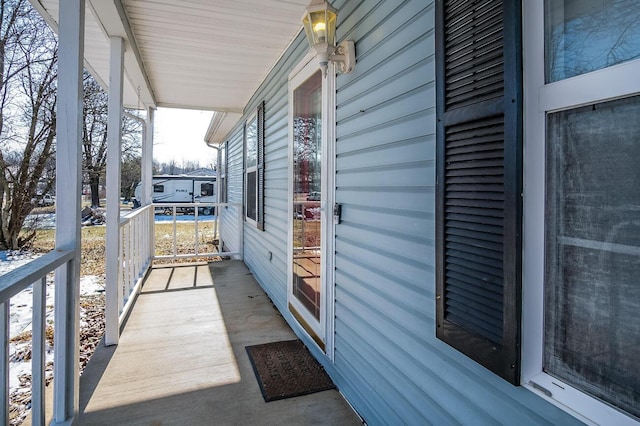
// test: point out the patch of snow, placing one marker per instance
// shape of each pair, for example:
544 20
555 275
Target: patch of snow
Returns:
41 221
91 285
20 312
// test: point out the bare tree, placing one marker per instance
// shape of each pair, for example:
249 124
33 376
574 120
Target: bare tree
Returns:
94 136
130 175
28 67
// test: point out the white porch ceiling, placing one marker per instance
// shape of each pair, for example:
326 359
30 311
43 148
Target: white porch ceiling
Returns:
197 54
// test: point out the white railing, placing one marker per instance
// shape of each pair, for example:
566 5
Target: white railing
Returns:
34 273
136 237
205 226
138 241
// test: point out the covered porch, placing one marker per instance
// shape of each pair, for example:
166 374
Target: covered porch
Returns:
181 357
174 345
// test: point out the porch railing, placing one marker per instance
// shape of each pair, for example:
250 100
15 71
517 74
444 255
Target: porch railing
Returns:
135 250
34 273
138 248
206 229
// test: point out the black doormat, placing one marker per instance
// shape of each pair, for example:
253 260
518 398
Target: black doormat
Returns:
287 369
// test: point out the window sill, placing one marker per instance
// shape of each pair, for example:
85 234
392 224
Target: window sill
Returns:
584 407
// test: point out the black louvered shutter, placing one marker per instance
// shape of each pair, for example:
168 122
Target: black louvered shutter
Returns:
260 183
479 181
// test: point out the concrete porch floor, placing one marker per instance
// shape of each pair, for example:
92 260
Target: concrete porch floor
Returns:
181 359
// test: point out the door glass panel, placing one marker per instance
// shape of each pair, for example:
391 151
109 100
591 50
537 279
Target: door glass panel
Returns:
586 35
307 160
592 250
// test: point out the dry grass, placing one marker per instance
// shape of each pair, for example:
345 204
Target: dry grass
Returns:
93 243
185 238
92 307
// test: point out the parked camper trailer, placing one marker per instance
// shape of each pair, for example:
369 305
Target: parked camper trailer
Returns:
172 189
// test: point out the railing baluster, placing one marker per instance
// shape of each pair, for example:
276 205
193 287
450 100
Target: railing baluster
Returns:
136 249
34 274
175 234
125 264
215 228
196 229
38 347
127 278
4 359
133 255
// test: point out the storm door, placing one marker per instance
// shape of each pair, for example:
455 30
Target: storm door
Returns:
311 221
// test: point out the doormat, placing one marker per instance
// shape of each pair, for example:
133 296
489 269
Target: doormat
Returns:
287 369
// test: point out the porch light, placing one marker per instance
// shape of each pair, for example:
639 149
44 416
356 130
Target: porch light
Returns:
320 26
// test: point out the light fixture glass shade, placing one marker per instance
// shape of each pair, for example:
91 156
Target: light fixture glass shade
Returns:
319 23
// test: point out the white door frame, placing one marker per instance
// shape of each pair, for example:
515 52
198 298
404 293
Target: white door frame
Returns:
323 328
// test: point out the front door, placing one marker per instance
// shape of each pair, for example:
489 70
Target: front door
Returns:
310 221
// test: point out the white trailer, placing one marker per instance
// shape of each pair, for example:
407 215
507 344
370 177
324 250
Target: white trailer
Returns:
173 189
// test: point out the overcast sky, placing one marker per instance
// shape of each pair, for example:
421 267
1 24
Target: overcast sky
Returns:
179 134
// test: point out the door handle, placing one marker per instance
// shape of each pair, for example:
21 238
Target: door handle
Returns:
337 213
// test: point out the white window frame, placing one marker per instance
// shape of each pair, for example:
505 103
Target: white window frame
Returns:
252 169
539 99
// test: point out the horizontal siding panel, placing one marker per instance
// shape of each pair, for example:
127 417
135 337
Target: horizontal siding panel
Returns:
392 175
397 107
403 151
413 247
391 265
478 392
392 220
400 198
407 301
382 92
418 124
432 396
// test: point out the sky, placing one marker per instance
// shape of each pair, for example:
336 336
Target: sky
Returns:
179 134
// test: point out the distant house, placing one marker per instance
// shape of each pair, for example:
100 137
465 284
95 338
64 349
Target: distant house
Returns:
453 228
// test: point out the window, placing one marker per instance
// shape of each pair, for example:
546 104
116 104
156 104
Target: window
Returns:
582 207
587 35
251 170
158 188
479 158
254 168
206 190
592 246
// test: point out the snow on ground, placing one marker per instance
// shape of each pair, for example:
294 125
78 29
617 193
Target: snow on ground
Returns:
21 317
48 220
41 221
184 218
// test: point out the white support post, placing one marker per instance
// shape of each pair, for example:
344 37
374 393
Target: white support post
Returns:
113 301
4 362
68 192
147 179
147 159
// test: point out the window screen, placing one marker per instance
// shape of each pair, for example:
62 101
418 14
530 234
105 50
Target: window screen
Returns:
592 251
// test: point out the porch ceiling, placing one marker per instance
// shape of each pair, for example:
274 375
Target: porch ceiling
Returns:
197 54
